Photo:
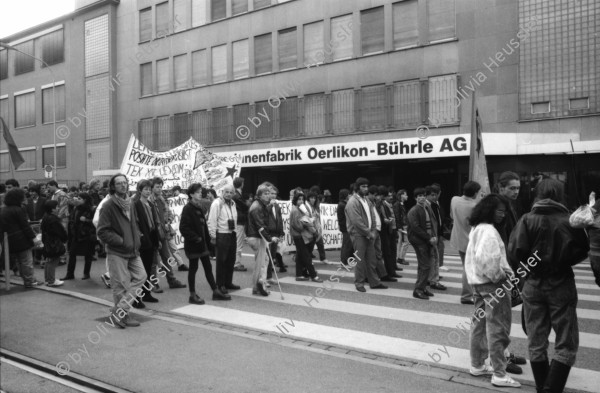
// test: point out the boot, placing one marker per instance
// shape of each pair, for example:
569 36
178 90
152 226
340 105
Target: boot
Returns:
557 377
540 373
195 299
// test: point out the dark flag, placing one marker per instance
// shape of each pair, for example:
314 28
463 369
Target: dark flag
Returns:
477 165
13 150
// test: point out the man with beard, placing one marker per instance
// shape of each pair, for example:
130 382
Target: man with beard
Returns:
118 230
360 222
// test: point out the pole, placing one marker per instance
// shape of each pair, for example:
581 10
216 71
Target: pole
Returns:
7 46
6 262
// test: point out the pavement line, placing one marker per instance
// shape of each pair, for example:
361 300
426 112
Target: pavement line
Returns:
588 340
581 379
405 293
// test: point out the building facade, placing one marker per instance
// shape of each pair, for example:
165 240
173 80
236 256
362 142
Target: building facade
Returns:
321 91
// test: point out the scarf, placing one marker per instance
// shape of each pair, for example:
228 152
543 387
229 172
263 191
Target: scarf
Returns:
124 204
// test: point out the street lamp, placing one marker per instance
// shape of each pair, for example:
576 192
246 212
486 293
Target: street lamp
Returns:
7 46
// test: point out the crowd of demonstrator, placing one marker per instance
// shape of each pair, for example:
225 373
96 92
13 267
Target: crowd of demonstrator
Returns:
48 226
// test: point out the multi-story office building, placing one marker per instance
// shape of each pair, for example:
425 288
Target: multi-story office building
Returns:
322 91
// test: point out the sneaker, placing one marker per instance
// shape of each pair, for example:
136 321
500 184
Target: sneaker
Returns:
240 268
56 283
505 382
316 279
325 261
175 284
271 281
483 370
444 269
106 280
302 278
183 268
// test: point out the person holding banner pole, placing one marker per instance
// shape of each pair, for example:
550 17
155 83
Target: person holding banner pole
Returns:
347 249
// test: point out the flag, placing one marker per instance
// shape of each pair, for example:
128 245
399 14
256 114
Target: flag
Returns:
477 165
13 150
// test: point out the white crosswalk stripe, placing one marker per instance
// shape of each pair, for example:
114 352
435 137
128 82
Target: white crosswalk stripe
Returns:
343 301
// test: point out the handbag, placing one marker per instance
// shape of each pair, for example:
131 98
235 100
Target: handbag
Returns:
582 217
53 247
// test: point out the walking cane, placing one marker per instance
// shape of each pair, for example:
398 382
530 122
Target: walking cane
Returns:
272 264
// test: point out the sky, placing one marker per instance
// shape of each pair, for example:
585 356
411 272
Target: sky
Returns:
17 15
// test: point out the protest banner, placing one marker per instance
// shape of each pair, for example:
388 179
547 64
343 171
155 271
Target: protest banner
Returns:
176 205
183 165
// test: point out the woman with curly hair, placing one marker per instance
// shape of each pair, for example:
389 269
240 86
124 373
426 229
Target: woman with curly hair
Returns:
488 272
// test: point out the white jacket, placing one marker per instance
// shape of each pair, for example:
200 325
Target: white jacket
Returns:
485 259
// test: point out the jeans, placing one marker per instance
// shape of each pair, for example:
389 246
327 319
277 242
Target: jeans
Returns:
389 256
402 245
347 249
50 268
127 275
490 333
24 260
206 265
423 266
549 307
165 255
226 246
595 262
240 233
440 248
434 273
147 257
365 262
259 246
379 264
467 290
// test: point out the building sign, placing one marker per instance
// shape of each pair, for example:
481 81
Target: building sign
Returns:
389 149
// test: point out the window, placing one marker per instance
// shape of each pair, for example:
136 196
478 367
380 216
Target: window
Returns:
162 76
288 117
218 9
313 43
405 21
3 64
240 59
199 67
373 108
25 110
407 104
180 71
442 100
24 63
540 107
4 162
198 12
146 79
265 130
371 30
220 126
48 156
288 49
219 63
261 4
263 54
341 37
48 108
201 126
314 114
239 6
180 13
162 20
579 103
343 111
441 18
29 157
163 125
53 47
146 133
241 113
4 110
146 24
181 131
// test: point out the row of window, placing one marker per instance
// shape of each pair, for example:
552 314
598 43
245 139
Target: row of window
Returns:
50 45
261 55
30 156
402 105
24 109
186 14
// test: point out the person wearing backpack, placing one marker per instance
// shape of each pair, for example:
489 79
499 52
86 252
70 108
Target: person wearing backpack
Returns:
54 237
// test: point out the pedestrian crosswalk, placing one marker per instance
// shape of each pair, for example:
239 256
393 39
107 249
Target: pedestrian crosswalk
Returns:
391 322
